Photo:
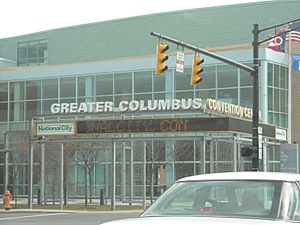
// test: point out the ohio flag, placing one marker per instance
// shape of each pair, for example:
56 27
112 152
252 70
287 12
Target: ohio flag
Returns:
278 43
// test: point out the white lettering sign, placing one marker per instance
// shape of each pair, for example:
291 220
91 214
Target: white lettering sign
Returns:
229 109
125 106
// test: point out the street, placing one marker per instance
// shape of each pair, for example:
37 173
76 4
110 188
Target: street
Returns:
63 218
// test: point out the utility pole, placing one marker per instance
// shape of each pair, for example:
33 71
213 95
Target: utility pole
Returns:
255 115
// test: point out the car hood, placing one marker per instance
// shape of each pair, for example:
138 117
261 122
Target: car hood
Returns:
193 221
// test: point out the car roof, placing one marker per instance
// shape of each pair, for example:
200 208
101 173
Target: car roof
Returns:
270 176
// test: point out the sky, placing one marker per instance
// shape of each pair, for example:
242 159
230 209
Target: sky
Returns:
18 17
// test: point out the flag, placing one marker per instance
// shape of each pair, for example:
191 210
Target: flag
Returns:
295 34
278 43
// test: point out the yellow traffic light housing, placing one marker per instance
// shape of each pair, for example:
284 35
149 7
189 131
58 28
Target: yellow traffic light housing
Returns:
161 57
196 70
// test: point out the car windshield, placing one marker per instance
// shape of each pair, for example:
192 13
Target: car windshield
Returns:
232 198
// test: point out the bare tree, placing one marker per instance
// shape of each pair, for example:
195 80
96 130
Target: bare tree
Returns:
17 157
87 160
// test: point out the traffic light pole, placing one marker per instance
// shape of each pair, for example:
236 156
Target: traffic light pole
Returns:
255 114
204 52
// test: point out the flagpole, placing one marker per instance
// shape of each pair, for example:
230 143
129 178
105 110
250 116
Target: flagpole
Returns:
290 91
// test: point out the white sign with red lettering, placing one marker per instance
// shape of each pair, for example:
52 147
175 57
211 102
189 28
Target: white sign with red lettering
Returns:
180 62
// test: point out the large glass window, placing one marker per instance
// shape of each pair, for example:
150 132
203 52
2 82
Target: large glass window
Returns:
3 92
3 111
33 89
227 76
183 80
86 86
17 91
206 94
33 108
245 77
42 52
184 94
277 95
143 82
270 74
159 83
47 105
68 87
50 88
31 53
246 97
123 83
228 95
104 84
16 111
208 78
276 76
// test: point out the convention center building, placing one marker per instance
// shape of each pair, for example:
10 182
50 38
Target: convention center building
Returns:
83 106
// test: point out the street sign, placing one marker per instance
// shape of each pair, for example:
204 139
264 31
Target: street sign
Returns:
180 62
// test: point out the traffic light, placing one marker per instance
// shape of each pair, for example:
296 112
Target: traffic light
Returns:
161 57
196 70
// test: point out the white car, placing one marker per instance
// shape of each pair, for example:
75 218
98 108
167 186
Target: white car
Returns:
234 198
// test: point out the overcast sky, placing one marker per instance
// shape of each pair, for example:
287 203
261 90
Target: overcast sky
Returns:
19 17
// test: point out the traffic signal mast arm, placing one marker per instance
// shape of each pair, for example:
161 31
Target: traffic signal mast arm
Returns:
204 52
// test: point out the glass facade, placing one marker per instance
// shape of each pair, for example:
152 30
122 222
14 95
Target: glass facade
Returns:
277 95
20 100
169 158
32 53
